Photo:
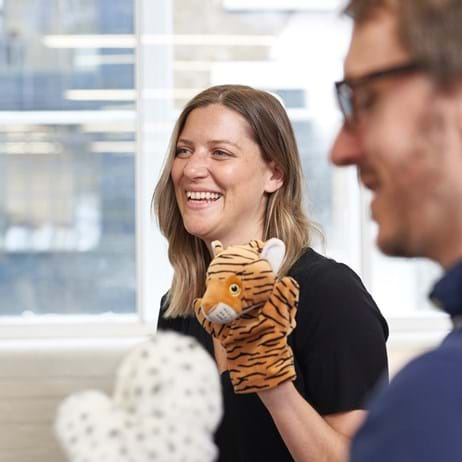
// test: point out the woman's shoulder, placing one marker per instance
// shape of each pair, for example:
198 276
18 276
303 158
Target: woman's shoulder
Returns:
332 289
168 323
316 267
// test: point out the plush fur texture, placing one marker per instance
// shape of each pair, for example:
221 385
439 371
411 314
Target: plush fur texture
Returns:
251 312
166 408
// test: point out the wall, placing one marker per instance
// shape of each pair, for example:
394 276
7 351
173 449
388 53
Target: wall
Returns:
36 376
34 380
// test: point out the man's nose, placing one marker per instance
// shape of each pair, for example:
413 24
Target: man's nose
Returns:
347 148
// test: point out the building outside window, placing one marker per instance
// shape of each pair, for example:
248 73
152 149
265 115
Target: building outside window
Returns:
89 93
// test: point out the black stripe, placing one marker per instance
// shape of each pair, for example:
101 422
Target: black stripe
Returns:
243 366
256 278
281 374
230 256
221 330
252 355
261 292
237 331
270 284
278 310
277 337
282 298
239 354
224 263
273 319
273 343
279 349
246 377
249 273
258 337
209 273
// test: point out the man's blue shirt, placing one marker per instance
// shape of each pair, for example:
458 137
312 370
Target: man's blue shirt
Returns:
418 417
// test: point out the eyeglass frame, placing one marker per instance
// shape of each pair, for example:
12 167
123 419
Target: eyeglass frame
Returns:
345 101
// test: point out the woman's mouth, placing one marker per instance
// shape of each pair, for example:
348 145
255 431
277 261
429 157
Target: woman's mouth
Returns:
202 196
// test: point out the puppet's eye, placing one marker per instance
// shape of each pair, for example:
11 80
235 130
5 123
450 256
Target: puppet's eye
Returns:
234 290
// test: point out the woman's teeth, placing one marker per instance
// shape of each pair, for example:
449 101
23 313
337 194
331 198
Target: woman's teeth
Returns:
202 195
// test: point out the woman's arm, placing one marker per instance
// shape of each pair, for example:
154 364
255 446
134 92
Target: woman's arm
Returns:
339 344
308 436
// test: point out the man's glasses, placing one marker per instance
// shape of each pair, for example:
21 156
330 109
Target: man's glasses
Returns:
345 89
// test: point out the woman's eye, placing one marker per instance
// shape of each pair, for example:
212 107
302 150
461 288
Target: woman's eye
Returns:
181 152
218 153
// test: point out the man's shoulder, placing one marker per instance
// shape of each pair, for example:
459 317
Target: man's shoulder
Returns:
434 367
431 381
419 415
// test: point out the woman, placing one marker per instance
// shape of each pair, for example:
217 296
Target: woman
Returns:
233 174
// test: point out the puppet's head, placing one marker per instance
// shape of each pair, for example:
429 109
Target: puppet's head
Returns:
240 278
165 408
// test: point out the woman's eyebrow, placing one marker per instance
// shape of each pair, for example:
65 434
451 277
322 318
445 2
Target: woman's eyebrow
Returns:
185 141
211 142
224 141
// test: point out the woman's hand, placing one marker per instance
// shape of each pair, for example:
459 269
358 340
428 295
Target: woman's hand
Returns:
257 351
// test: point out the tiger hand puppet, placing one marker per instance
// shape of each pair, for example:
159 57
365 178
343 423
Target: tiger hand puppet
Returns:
251 313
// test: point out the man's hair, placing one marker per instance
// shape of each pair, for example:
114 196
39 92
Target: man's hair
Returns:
284 218
430 30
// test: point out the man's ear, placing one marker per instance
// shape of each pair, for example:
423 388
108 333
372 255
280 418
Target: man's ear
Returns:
276 179
459 108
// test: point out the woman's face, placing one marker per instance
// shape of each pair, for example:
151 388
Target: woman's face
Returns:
220 178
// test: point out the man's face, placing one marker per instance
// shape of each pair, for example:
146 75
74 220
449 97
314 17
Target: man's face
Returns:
406 145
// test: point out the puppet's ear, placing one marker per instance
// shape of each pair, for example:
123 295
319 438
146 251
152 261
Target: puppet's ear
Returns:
217 247
274 251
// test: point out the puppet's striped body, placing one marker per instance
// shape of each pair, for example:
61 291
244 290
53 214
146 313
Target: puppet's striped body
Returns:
251 312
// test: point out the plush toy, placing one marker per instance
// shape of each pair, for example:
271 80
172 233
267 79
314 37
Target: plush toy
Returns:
166 407
251 312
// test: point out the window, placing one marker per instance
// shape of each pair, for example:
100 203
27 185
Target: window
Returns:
93 90
67 220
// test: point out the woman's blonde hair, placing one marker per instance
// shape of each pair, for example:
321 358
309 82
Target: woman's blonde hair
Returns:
284 217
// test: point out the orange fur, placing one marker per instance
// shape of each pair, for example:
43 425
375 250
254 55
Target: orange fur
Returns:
262 308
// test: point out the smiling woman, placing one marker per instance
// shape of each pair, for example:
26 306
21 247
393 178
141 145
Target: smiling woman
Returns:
220 177
233 175
236 142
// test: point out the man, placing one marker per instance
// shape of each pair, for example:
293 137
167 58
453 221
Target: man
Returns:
402 106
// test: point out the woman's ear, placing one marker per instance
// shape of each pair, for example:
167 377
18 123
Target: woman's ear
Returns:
276 179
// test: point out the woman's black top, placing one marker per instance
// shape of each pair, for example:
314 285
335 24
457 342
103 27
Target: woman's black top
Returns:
339 350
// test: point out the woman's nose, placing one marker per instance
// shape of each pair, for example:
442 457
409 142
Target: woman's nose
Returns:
196 166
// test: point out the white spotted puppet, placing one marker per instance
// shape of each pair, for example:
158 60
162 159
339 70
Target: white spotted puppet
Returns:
166 407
